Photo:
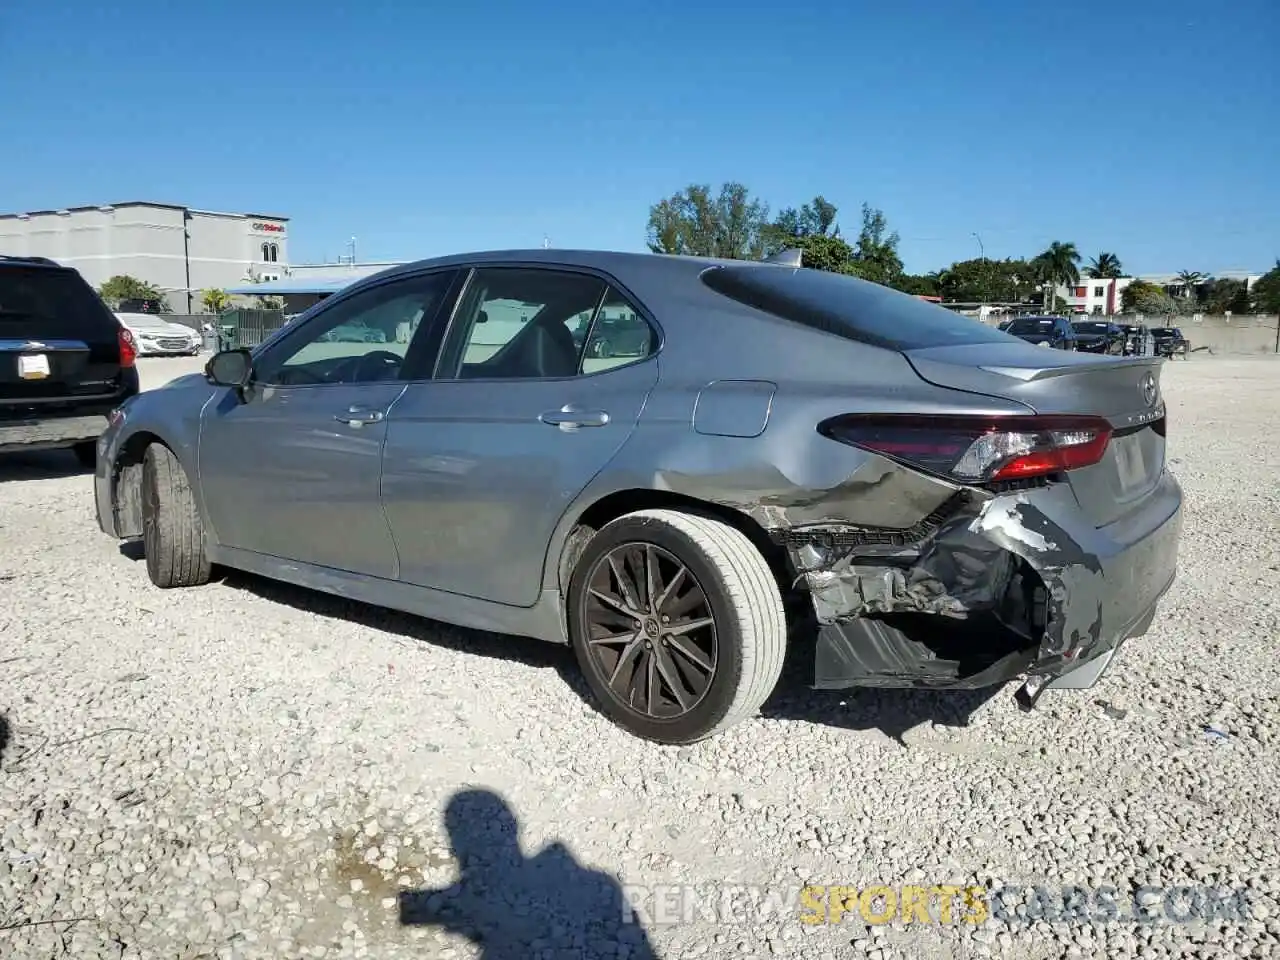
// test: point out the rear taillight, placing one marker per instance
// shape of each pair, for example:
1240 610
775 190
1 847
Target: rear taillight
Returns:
978 449
128 347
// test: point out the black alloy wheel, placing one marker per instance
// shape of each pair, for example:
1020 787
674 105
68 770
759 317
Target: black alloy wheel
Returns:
650 630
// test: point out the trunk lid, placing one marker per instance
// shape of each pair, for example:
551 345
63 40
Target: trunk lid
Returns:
1124 390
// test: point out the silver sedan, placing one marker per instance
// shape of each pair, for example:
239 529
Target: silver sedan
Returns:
763 458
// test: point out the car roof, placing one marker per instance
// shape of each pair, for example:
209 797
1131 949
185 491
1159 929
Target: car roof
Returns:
15 261
627 267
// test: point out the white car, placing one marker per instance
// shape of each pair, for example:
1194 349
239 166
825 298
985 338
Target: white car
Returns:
157 336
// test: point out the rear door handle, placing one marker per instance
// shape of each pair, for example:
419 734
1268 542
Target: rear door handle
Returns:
574 418
359 416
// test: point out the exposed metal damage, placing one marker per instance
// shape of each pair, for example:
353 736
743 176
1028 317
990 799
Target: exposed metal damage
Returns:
984 586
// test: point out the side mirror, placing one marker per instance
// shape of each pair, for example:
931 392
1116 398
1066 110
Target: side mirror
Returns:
230 368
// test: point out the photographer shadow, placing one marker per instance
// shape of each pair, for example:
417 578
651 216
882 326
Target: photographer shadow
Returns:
514 907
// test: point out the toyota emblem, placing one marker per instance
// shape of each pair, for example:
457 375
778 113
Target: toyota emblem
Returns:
1148 384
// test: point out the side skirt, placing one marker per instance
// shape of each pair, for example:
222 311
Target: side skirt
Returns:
543 621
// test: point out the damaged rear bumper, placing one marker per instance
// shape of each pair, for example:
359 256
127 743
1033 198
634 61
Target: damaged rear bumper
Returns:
987 588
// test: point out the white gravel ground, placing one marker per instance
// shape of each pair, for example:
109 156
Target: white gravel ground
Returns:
250 770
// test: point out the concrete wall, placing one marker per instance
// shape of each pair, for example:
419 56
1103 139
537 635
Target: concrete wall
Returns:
1244 334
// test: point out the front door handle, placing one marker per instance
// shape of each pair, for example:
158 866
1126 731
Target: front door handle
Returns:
359 416
569 419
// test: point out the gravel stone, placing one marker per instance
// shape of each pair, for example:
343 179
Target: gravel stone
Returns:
240 771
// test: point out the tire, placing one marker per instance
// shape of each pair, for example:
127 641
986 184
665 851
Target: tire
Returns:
603 349
748 634
172 532
86 453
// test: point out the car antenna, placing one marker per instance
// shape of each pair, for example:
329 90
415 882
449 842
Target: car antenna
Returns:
792 257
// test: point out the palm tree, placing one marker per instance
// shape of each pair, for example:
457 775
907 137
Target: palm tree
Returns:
1057 266
1189 280
1105 266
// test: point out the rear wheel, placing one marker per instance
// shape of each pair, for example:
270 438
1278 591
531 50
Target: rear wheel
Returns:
172 531
677 623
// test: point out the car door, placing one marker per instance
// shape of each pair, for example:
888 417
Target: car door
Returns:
291 469
482 461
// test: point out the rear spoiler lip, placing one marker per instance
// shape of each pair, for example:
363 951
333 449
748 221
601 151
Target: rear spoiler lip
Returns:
1028 374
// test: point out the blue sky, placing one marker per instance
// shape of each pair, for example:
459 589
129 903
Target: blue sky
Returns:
1150 128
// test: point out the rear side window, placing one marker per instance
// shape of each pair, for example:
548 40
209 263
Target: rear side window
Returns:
46 302
848 307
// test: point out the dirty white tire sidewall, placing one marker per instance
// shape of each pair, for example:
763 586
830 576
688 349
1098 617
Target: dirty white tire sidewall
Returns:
744 598
172 531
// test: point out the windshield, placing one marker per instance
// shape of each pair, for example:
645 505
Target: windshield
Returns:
1033 325
848 307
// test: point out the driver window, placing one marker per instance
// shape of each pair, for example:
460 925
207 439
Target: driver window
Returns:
362 339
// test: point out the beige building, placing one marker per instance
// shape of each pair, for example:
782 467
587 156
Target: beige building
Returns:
180 250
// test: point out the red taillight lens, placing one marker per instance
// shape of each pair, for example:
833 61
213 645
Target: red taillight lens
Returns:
977 449
128 348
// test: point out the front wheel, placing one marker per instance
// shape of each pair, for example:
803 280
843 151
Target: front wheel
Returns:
677 622
172 532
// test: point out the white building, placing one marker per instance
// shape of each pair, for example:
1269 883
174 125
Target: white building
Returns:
1096 296
180 250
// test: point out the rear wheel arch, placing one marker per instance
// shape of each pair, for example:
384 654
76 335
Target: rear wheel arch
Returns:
622 502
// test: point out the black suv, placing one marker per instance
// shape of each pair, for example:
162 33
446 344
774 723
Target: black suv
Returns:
1055 332
65 360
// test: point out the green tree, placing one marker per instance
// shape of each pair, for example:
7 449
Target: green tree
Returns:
971 281
269 303
1105 266
1057 266
214 300
820 252
124 287
875 255
1219 295
792 227
1265 293
1147 298
1188 280
694 222
921 284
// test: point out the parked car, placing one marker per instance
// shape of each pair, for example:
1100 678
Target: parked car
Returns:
626 336
354 333
65 361
912 497
157 336
140 305
1055 332
1169 342
1099 336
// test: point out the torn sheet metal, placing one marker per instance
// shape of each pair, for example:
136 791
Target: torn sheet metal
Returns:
958 572
1076 584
